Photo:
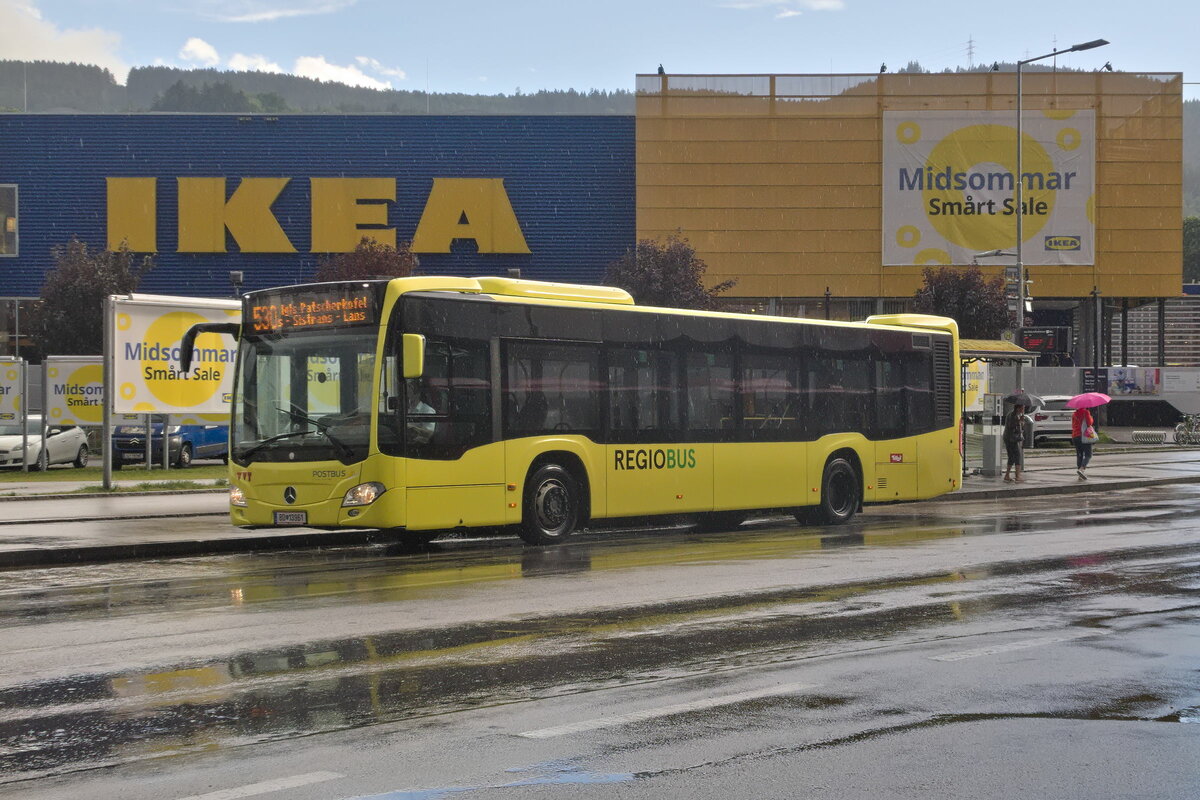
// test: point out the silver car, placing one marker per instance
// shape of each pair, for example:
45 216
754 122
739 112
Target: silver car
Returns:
1052 420
65 444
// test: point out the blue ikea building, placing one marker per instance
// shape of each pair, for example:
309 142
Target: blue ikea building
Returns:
268 196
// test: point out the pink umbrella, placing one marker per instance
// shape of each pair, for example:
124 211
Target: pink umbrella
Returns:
1088 400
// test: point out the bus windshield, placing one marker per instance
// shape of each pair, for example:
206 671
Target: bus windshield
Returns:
303 397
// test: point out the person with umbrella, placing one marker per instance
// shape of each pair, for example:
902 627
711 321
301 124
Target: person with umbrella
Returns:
1083 428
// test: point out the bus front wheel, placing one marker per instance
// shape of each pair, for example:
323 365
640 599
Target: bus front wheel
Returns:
841 492
551 509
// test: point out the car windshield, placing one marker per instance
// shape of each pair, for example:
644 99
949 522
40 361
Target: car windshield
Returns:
303 397
33 426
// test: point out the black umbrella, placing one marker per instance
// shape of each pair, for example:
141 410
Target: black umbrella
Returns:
1023 398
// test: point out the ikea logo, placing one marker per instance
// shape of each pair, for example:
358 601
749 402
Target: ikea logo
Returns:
1063 242
342 212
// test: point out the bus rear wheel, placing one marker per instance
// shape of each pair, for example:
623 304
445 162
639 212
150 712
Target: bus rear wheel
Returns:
841 492
551 508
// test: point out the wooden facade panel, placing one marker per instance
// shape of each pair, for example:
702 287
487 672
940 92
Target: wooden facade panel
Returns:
793 202
758 152
765 175
857 220
782 129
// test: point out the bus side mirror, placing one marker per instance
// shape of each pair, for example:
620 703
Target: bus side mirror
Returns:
414 355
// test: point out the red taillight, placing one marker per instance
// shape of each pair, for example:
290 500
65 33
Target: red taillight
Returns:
1040 417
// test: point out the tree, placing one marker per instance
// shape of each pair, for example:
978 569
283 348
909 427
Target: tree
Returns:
69 320
370 259
668 274
976 303
1191 249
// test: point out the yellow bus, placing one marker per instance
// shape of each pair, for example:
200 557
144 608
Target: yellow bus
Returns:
426 404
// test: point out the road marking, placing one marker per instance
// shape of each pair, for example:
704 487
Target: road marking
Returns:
249 790
663 711
1021 645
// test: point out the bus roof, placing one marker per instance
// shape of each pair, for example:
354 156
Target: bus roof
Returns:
571 294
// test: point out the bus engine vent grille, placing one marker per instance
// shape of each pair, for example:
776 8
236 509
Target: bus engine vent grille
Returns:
881 483
943 382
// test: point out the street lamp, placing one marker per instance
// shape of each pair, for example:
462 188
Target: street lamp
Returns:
1017 184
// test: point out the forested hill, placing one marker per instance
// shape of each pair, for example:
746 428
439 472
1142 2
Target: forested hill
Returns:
49 86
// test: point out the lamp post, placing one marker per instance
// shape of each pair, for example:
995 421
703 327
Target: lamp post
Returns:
1017 183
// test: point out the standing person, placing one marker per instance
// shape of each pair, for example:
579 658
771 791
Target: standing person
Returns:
1014 438
1081 420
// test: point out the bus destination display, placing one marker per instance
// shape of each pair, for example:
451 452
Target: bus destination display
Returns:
312 309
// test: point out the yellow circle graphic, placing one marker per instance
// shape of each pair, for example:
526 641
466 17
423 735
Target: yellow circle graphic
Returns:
1059 113
983 155
56 412
908 132
52 372
1068 138
10 375
932 255
128 391
908 236
162 376
123 322
84 398
145 407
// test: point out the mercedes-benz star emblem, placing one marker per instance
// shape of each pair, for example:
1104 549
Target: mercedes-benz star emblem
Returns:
289 495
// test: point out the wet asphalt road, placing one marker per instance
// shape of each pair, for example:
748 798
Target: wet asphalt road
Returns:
952 649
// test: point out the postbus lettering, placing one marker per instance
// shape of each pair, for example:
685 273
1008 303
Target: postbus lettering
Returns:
342 211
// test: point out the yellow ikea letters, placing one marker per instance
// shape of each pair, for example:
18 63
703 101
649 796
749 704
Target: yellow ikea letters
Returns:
343 211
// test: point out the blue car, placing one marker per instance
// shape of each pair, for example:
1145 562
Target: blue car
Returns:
187 442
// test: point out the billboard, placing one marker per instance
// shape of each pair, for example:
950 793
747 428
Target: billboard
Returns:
949 186
146 331
11 388
73 390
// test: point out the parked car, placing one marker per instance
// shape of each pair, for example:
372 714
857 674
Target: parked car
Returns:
65 444
1051 421
187 442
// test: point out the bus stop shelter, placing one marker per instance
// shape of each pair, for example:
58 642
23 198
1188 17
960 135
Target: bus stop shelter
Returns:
982 447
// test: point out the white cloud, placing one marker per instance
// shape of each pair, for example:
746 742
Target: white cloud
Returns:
199 52
786 8
375 66
240 62
317 67
270 10
26 36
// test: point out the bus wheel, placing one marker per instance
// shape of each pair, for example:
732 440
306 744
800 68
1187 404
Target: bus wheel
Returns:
841 492
719 520
551 509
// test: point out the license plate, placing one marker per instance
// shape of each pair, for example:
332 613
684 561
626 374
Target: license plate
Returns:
291 517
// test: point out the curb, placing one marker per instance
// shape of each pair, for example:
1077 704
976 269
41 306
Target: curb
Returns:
193 547
94 495
1063 488
112 517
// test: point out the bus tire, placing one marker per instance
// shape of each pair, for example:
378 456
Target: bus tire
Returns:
551 506
714 521
841 492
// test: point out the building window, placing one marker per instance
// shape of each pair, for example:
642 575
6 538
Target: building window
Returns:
8 220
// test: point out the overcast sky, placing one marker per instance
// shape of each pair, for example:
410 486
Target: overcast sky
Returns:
492 46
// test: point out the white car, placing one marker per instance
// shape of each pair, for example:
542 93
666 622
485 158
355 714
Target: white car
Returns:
65 444
1052 420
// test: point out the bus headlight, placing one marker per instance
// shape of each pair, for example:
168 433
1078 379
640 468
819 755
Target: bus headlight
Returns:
237 497
363 495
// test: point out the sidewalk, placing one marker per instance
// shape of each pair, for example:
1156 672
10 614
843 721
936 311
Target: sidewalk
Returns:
47 529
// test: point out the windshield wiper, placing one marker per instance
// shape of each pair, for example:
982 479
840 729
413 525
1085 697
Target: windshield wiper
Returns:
257 446
345 452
